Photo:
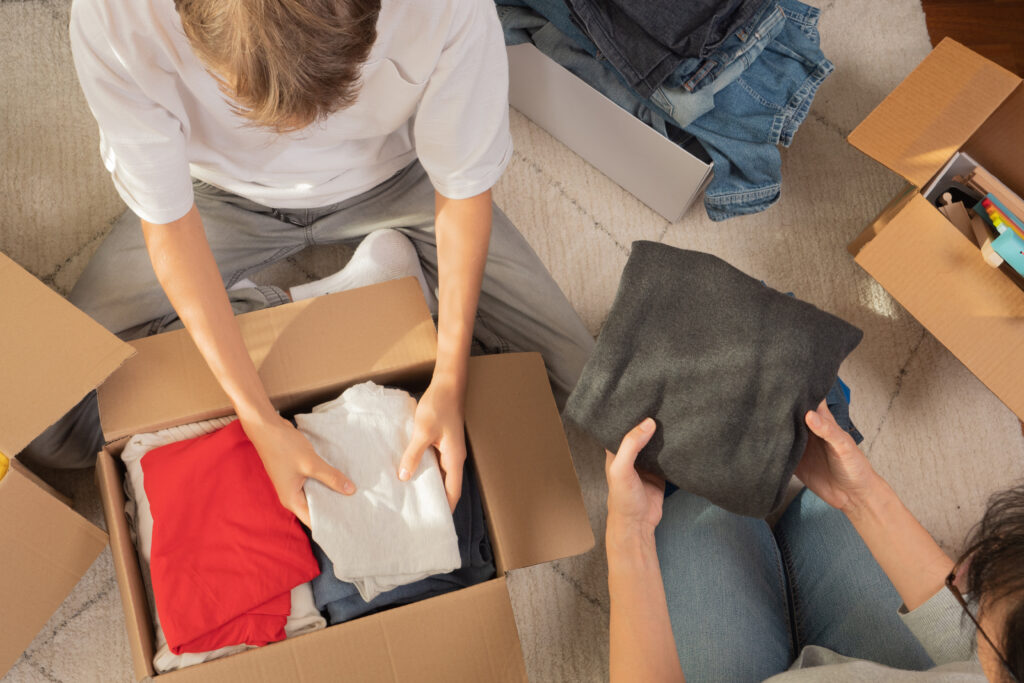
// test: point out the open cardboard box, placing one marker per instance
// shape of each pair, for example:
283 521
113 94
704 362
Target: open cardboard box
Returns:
655 170
305 352
308 352
53 355
955 100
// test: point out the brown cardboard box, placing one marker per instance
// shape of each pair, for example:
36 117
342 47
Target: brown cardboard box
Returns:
955 100
53 354
308 352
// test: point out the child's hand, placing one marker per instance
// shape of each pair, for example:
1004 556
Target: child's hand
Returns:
290 459
440 423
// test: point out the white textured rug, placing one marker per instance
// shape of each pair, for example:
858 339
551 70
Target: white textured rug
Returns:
939 436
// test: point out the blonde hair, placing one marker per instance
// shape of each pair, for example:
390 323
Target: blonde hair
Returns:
284 64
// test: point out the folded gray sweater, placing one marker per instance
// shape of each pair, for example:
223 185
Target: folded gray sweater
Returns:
726 366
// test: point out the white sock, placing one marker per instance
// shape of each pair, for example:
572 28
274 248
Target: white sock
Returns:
382 255
244 283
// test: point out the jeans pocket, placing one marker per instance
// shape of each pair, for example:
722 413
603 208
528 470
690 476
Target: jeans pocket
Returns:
659 98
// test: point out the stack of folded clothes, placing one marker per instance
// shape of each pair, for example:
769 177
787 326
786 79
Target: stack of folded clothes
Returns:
737 76
227 568
392 542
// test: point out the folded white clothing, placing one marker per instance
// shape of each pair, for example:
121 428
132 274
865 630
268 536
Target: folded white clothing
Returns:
304 616
390 532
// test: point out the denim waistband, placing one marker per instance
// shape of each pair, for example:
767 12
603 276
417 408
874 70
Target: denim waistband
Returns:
632 47
800 13
763 25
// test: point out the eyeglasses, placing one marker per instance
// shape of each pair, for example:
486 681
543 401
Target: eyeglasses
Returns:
951 585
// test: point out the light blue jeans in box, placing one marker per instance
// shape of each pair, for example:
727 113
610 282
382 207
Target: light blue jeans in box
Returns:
759 111
744 598
750 95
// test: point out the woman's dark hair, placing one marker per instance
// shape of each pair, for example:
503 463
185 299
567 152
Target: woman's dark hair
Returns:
995 570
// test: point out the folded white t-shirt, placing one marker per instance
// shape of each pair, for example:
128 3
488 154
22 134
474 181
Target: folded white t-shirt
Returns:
304 617
390 532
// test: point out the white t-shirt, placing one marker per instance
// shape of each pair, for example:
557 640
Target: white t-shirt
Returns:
435 86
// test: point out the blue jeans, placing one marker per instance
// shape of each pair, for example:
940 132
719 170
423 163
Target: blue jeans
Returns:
685 96
744 598
758 111
647 40
522 24
744 98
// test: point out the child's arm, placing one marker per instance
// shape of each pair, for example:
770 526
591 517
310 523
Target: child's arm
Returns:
463 232
186 269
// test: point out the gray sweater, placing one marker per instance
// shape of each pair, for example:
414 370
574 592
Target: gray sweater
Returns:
939 625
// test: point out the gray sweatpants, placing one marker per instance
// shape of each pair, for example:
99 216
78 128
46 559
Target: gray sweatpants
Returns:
521 307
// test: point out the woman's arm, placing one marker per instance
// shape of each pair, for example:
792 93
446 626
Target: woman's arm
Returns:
641 644
839 472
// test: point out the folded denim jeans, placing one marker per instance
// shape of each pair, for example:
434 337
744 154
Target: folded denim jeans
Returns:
692 90
746 98
686 95
524 25
647 40
759 111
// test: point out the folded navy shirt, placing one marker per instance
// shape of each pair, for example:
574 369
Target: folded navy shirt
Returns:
726 366
341 600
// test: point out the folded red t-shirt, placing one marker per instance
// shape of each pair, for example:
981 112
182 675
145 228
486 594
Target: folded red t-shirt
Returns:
225 553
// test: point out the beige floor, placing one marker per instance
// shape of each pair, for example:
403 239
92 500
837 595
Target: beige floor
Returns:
943 440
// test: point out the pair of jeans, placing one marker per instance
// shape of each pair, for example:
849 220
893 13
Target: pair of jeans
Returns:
759 111
522 24
521 307
689 91
646 40
685 96
744 599
748 96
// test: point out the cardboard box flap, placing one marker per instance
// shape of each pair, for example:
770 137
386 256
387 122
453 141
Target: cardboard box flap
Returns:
1002 132
53 356
533 498
938 275
916 129
465 636
36 577
138 621
300 349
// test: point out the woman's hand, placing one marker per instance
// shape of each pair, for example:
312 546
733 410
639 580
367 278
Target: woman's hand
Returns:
833 466
634 498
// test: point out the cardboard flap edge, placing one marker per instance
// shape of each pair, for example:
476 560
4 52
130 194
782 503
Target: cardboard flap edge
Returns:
939 276
928 116
52 340
126 566
515 431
